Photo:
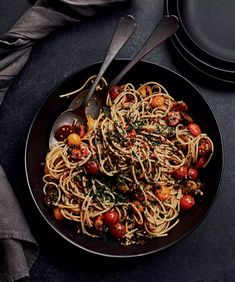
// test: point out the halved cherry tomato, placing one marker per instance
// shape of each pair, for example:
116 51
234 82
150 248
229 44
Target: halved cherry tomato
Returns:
118 230
98 223
187 202
173 118
132 133
204 147
201 162
157 101
194 129
111 217
179 106
92 167
192 173
163 193
63 132
181 172
114 92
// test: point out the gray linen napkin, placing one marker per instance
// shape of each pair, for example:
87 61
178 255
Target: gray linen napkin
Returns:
36 23
18 248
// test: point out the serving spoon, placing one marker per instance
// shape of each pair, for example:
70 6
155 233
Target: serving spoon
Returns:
79 107
124 29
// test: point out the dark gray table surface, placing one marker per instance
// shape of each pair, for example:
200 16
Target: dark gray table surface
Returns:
208 253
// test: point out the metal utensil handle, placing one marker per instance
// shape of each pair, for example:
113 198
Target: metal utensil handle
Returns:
166 27
124 29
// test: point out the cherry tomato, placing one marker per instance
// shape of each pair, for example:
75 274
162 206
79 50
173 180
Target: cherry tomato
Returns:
192 173
76 153
157 101
132 133
84 150
63 132
111 217
74 139
181 172
187 202
92 167
173 118
80 129
201 162
98 223
179 106
194 129
114 92
118 230
145 90
58 214
163 193
204 147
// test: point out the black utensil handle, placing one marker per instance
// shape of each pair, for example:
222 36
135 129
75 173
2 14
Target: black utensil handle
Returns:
166 27
124 29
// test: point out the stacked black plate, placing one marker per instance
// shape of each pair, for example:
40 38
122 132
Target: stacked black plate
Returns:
206 37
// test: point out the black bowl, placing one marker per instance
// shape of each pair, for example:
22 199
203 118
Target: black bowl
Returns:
180 89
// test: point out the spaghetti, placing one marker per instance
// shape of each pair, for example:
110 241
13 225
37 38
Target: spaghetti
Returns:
131 171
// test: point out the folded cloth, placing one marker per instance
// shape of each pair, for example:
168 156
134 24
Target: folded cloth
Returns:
36 23
18 248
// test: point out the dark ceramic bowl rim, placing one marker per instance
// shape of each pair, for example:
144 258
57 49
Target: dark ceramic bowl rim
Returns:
185 234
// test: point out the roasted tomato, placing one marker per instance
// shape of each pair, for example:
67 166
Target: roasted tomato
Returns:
111 217
201 162
180 106
99 223
181 172
76 153
194 129
92 167
118 230
163 193
84 150
173 118
204 147
157 101
192 173
74 139
58 214
64 131
186 202
145 90
114 92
